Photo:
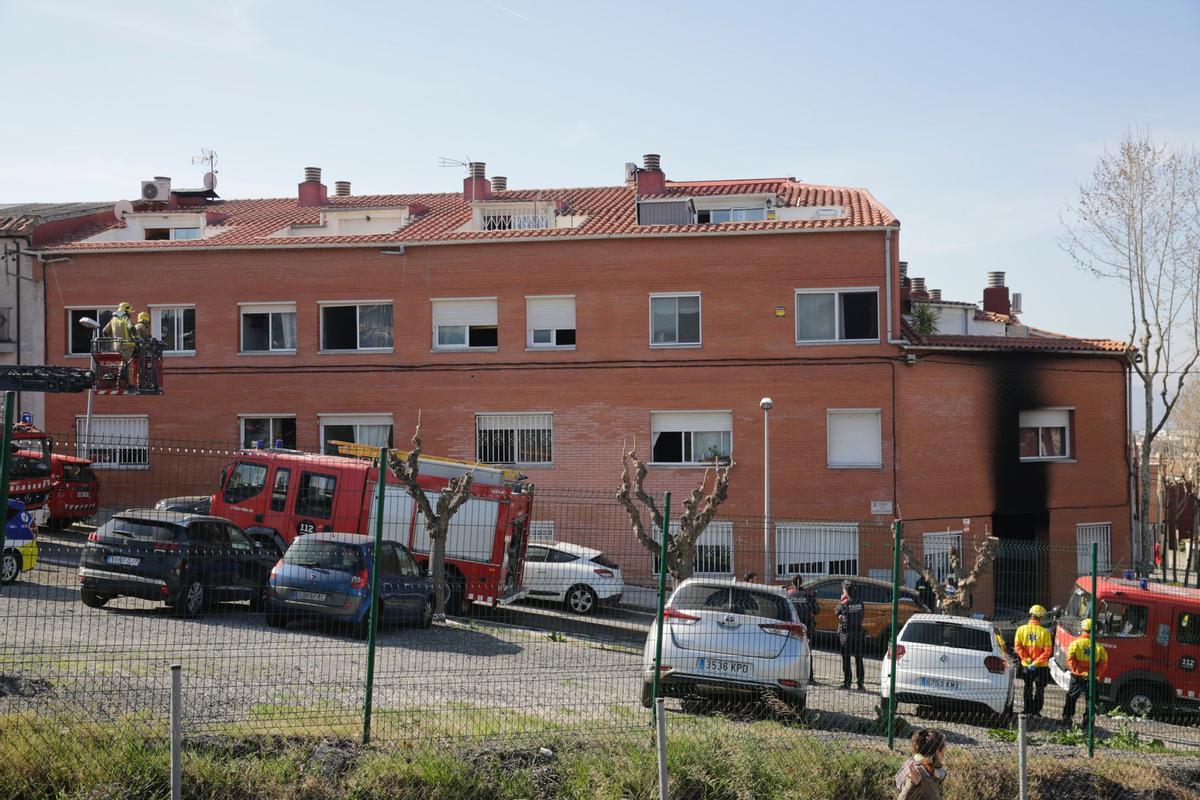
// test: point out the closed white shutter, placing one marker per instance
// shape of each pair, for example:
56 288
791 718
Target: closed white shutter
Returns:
690 421
816 548
480 311
1046 418
550 313
114 441
1086 536
267 308
854 438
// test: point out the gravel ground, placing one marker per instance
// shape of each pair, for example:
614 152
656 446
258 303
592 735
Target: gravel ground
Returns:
471 678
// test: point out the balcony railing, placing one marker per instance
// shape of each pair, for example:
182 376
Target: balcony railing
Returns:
504 221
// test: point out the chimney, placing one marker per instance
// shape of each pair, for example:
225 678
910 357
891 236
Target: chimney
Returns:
935 295
341 188
499 183
995 296
312 192
903 271
918 293
650 178
475 185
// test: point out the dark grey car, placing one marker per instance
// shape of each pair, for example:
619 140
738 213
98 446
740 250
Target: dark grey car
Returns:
187 561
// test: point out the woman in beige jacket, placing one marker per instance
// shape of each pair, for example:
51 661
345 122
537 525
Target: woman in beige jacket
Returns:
921 777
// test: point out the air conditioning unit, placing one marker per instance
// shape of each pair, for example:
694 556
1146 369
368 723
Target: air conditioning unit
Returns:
157 190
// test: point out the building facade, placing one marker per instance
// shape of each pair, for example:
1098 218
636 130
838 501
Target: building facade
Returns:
554 328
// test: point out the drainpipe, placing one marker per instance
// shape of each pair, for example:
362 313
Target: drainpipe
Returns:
887 278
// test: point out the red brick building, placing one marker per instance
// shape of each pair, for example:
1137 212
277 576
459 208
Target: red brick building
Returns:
548 327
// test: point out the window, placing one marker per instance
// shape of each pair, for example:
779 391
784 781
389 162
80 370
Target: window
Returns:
265 431
835 316
675 320
550 322
706 216
79 338
947 634
560 557
1045 434
246 480
279 494
465 323
1087 535
698 597
314 497
937 552
853 438
714 549
1121 619
536 554
164 234
175 327
269 328
691 437
816 548
361 326
541 532
389 562
514 438
515 218
115 441
370 429
408 567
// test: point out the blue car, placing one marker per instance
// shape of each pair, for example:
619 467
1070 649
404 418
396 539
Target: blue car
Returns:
327 576
20 543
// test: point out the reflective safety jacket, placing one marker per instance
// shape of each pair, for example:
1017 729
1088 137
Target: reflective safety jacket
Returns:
1079 657
119 328
1033 644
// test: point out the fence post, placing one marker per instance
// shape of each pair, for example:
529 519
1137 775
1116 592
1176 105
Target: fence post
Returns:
1022 763
660 717
1095 636
5 457
662 595
176 732
897 534
373 617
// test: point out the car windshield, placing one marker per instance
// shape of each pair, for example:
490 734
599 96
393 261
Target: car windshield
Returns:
25 465
323 555
700 597
146 530
947 634
78 472
605 561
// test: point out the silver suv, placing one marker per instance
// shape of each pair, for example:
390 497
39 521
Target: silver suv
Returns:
729 640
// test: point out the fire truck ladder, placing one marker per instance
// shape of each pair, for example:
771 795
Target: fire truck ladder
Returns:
436 465
54 380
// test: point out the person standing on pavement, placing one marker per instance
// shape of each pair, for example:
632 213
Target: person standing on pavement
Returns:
806 608
1079 660
1034 646
921 776
850 614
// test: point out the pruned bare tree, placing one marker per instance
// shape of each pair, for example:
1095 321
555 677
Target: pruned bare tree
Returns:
1138 222
698 510
437 518
961 602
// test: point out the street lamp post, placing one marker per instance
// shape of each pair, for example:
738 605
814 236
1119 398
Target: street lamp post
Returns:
766 404
94 327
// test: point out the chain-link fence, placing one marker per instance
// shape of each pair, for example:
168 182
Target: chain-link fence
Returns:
259 574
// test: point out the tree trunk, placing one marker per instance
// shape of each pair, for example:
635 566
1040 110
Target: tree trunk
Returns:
1144 533
685 563
437 564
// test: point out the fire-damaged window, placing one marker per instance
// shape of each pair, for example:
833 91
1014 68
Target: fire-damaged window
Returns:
268 327
844 315
691 437
1045 434
514 438
79 336
356 326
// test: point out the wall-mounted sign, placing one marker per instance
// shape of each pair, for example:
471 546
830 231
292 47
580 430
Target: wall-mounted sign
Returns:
781 311
881 507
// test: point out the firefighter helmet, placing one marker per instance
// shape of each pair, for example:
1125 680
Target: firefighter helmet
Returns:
1037 611
126 307
143 317
1086 625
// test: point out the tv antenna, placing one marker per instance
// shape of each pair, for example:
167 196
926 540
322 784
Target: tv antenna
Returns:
209 158
454 162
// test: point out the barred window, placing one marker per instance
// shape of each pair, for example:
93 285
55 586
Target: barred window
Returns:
114 442
514 438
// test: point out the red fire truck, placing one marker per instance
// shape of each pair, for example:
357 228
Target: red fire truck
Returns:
276 495
29 465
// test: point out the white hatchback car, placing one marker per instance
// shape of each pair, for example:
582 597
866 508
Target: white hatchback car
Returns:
729 640
950 663
579 577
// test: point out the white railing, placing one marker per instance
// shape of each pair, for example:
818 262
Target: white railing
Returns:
505 221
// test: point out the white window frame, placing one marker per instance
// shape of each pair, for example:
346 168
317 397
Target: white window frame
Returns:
96 310
1069 453
691 432
271 416
541 531
837 314
719 533
355 420
465 346
829 463
785 558
731 209
676 345
935 551
1085 534
358 304
530 344
156 324
270 308
87 437
499 418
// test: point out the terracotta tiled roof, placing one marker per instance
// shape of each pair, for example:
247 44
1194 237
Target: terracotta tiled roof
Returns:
21 218
1014 343
992 316
608 211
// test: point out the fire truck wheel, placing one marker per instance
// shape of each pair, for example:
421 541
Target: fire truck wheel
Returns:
1140 699
11 568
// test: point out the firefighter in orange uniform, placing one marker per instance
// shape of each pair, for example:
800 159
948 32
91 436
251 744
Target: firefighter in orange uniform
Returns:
1034 647
1079 659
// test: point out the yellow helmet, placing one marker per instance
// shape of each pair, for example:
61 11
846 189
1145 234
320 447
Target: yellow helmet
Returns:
143 317
1037 611
1086 625
126 307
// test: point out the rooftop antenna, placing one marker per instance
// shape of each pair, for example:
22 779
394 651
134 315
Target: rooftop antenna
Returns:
454 162
208 157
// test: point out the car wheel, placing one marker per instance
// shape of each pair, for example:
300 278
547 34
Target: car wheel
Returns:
647 695
581 600
92 598
1141 699
276 620
11 568
426 618
258 600
191 602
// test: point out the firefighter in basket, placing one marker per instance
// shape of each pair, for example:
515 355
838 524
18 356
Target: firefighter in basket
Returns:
120 333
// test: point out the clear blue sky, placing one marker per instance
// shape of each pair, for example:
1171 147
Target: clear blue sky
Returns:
974 122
